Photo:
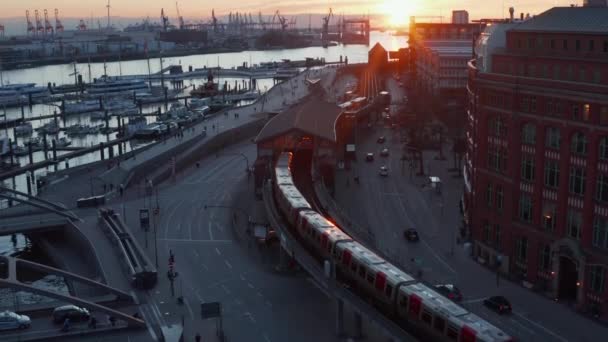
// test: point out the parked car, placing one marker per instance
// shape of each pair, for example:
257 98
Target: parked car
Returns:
411 235
499 304
10 320
383 171
449 291
384 152
73 312
369 157
381 140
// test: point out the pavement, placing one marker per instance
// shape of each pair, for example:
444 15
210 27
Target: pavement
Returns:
385 207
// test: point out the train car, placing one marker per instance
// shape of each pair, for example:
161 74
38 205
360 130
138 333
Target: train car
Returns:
284 160
291 202
370 273
282 176
320 233
431 314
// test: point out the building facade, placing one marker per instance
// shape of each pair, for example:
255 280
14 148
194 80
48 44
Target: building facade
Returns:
536 169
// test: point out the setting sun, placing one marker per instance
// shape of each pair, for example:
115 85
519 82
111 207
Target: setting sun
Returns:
398 12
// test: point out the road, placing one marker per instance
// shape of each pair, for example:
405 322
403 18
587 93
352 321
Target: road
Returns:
387 206
219 262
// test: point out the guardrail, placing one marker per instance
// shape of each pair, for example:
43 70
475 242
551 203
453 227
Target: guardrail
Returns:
328 285
142 272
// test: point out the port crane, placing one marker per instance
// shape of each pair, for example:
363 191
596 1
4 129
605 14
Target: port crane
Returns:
58 24
108 7
1 30
326 21
282 20
82 26
164 19
30 27
48 28
180 19
262 22
214 20
39 26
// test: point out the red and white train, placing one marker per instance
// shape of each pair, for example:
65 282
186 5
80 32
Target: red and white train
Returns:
397 293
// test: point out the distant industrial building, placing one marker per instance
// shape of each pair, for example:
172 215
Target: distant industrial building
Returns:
460 17
536 169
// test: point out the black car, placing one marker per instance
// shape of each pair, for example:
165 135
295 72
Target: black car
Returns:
449 291
411 235
499 304
369 157
73 312
381 140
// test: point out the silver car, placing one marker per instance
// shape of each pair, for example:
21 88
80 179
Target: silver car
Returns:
10 320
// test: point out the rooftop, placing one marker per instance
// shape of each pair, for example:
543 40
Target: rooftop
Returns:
591 20
313 116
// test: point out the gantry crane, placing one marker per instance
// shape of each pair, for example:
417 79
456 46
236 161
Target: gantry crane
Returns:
30 27
82 26
164 19
262 22
180 19
214 20
326 21
58 24
48 28
108 7
282 20
39 26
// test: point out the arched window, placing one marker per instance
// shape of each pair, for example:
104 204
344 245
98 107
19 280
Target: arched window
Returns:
528 134
603 148
579 143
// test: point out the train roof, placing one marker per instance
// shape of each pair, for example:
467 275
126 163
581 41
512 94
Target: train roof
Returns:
318 220
283 176
435 300
485 330
394 274
284 159
362 254
294 196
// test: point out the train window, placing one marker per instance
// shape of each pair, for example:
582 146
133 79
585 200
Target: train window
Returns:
439 324
426 317
452 333
403 301
362 272
353 267
388 290
370 278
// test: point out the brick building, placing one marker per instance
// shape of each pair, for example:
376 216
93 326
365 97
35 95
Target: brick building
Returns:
536 169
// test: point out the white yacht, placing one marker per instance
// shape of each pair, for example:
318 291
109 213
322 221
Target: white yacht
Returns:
109 85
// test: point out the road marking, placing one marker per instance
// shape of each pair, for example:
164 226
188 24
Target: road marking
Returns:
248 314
218 251
210 232
268 303
196 255
228 264
205 267
250 286
260 294
219 226
438 257
521 326
541 327
242 277
470 301
266 338
237 301
189 309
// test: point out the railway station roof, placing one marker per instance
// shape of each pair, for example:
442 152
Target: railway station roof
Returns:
313 116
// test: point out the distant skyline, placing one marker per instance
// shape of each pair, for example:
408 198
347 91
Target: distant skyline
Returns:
198 9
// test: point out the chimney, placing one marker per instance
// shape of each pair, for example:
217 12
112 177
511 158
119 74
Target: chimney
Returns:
511 13
521 16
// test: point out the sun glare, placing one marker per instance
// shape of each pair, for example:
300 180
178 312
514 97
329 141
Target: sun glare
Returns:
398 12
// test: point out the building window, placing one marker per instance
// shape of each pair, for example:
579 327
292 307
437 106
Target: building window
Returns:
586 112
600 232
597 76
582 75
493 158
529 134
604 115
552 173
550 107
525 104
544 258
527 167
533 104
597 274
531 43
579 143
578 45
553 139
601 193
565 44
577 180
486 233
525 208
591 45
549 220
556 72
603 148
521 250
605 45
500 198
497 127
575 222
553 43
497 236
489 194
575 112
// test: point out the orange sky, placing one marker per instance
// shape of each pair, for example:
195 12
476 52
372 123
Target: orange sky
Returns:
198 8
